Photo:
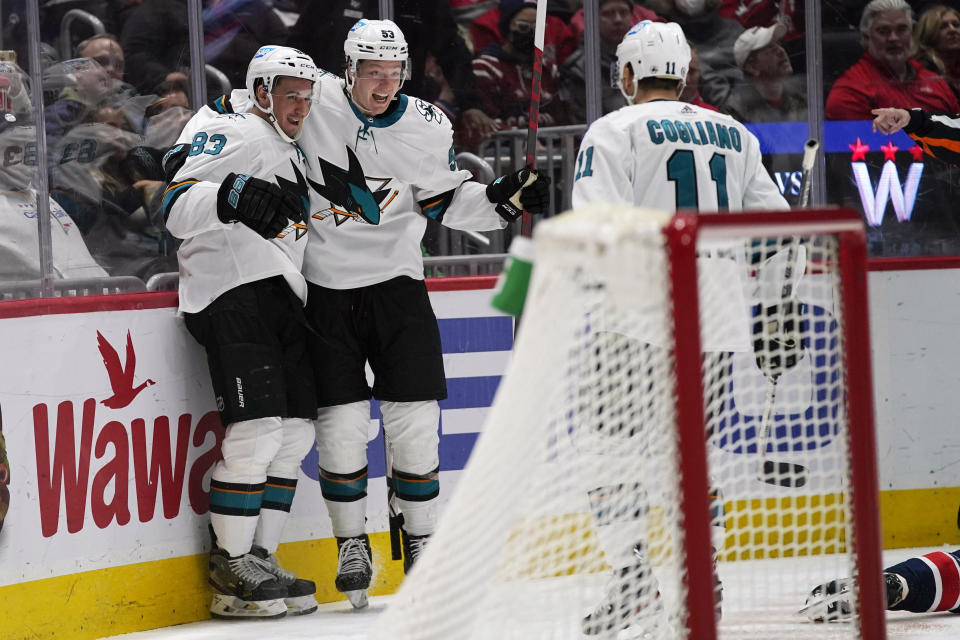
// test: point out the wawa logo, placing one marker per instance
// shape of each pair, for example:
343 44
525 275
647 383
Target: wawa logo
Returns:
121 375
903 196
85 468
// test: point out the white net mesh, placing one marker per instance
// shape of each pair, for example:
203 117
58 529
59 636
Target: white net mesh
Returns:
567 521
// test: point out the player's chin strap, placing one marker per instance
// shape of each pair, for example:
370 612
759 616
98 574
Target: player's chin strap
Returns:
631 98
273 120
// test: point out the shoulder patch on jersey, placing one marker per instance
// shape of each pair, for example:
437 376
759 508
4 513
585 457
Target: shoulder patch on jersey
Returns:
430 112
221 104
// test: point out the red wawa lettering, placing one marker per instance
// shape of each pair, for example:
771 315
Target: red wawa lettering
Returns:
64 476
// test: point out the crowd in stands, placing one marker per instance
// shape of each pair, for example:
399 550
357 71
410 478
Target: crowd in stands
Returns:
120 97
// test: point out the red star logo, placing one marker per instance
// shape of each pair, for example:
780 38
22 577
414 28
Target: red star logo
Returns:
917 153
859 151
889 151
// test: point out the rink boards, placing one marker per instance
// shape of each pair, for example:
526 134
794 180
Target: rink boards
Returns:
106 531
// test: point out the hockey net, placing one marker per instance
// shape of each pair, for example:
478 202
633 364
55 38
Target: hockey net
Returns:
620 458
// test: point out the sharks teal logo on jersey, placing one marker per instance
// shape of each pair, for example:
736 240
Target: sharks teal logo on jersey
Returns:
348 192
298 187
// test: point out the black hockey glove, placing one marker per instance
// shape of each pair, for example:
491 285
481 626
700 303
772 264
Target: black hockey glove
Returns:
143 163
261 205
777 343
516 192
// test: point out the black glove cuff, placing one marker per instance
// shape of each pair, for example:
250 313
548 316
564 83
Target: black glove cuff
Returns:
508 212
228 197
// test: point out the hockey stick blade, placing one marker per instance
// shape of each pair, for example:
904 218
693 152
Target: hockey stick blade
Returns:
781 474
784 474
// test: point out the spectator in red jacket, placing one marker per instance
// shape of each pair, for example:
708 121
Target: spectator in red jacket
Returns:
886 76
558 39
504 72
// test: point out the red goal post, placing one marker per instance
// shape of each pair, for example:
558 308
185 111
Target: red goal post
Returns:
846 224
682 388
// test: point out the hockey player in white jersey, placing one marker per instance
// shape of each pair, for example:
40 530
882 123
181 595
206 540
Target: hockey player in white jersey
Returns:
664 154
238 199
380 164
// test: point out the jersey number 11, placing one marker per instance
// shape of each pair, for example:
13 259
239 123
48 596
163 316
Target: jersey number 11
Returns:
682 171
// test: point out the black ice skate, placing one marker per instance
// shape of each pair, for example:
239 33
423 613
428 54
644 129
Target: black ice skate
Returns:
413 546
300 598
632 599
243 589
354 569
830 601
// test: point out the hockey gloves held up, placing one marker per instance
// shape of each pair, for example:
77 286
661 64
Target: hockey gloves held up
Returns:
261 205
777 342
516 192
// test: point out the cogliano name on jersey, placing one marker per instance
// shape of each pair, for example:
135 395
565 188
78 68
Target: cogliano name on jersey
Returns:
698 132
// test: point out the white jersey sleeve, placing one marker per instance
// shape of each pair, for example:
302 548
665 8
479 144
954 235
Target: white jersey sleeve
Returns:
604 167
216 257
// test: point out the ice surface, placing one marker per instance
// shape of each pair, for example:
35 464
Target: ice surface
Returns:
339 621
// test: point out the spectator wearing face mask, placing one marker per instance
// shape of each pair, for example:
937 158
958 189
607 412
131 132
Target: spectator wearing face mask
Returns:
504 72
559 39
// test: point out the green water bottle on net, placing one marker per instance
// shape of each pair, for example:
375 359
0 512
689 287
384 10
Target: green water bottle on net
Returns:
511 289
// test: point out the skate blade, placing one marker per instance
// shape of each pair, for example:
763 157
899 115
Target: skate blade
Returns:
646 623
300 605
232 607
358 598
827 609
829 602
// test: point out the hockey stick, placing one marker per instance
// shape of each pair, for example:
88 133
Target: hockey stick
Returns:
785 474
394 515
809 156
533 119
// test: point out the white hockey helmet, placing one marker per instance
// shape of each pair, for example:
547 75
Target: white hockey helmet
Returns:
271 62
653 50
375 40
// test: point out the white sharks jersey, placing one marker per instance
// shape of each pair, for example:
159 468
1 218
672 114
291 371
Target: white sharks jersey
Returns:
670 155
373 183
216 257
